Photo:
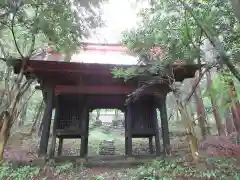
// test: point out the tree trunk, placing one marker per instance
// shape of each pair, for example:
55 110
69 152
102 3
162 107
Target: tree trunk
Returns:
40 128
230 128
193 145
200 113
4 133
216 115
37 117
98 114
40 122
116 114
23 115
229 116
189 126
3 142
235 107
13 110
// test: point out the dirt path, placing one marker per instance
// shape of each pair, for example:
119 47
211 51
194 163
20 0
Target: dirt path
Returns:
22 150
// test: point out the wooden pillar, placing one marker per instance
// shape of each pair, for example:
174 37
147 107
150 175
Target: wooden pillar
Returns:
129 129
157 138
87 132
125 127
53 145
46 122
56 118
164 125
84 137
60 146
150 145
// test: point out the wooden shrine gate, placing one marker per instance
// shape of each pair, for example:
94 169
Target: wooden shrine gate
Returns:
75 89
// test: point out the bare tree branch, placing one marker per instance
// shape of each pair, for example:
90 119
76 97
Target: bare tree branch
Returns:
13 33
3 51
7 78
199 78
3 59
138 92
34 31
18 97
25 102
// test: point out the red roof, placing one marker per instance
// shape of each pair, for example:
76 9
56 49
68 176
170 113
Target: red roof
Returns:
92 77
97 47
93 69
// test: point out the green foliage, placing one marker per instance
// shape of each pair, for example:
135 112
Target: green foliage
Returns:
28 27
169 25
162 26
31 25
219 90
100 178
34 172
22 173
214 92
179 168
124 73
170 168
33 105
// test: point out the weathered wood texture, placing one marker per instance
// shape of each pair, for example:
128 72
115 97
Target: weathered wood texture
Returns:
49 91
74 89
141 122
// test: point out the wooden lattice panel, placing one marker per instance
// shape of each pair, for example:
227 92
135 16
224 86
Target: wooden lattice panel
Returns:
70 117
144 117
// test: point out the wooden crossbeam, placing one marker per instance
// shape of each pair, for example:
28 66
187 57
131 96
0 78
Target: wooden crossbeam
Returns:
110 90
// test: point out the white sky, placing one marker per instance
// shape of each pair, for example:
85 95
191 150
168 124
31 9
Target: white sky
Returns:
118 16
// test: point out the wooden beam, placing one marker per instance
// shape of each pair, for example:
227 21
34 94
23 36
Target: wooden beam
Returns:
183 70
164 125
128 136
46 123
38 88
94 89
84 137
84 71
157 137
56 118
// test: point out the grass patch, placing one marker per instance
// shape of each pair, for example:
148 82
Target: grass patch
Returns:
164 169
172 168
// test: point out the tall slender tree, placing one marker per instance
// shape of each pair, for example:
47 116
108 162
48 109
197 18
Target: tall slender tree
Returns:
178 27
25 28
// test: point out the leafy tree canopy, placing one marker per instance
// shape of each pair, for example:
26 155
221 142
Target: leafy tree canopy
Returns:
180 28
29 25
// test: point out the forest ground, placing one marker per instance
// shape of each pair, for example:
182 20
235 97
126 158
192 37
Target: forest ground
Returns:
22 149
